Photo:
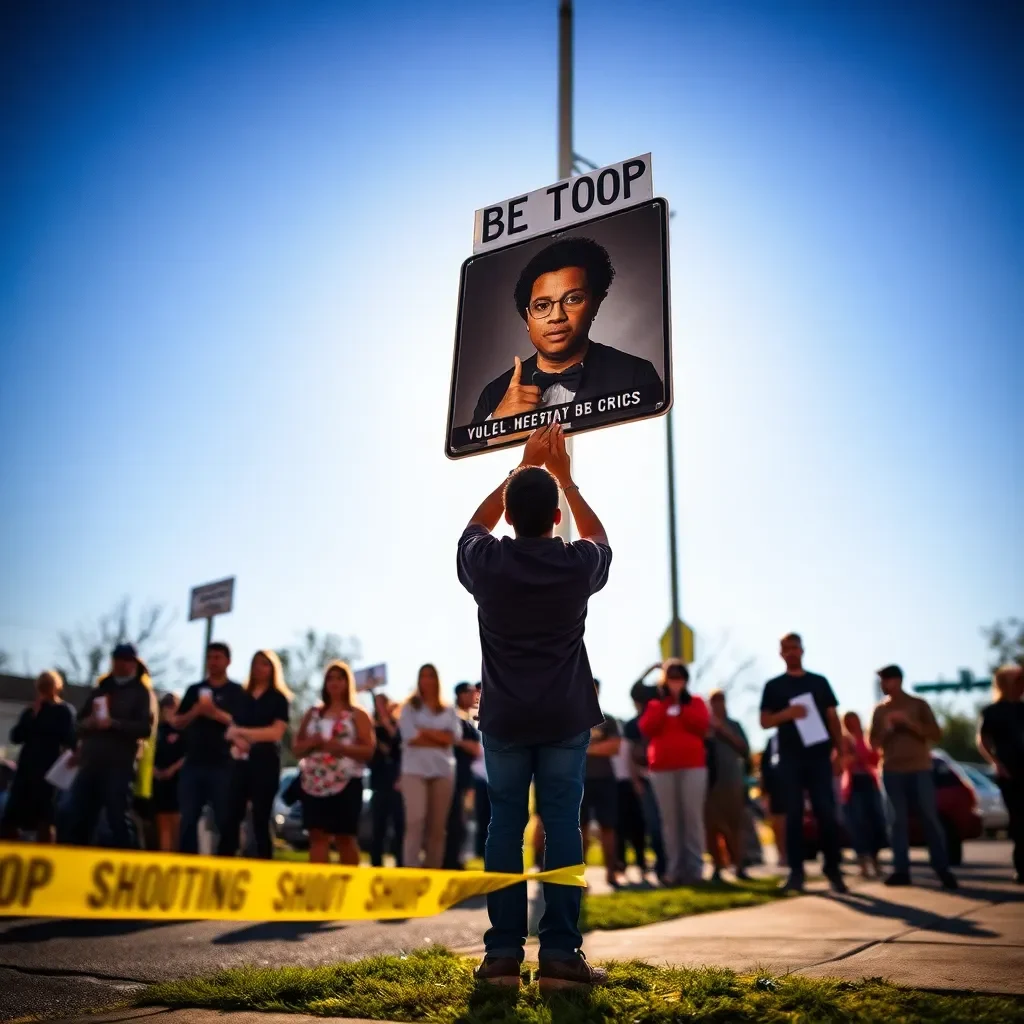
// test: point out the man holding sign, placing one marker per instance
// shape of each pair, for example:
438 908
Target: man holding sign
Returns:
538 701
802 706
558 295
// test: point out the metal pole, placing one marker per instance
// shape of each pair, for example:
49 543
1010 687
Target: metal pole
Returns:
673 555
206 646
565 162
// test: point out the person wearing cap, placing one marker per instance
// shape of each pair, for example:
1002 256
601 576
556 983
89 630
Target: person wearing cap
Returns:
903 729
538 702
467 749
117 718
44 730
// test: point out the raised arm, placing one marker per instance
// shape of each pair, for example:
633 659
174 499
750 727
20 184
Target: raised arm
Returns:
493 506
588 526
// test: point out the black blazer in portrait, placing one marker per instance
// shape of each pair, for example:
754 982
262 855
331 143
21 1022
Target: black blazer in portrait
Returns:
605 370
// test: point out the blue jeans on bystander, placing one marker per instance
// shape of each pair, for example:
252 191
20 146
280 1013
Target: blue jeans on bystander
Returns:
917 789
557 770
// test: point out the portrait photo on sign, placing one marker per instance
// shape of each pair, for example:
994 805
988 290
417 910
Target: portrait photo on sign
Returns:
570 327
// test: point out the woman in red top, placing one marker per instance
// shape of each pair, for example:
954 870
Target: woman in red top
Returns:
676 725
862 801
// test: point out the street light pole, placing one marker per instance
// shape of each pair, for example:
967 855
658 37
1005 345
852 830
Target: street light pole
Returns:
565 164
673 554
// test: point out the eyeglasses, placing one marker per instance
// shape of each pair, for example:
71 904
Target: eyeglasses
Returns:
541 309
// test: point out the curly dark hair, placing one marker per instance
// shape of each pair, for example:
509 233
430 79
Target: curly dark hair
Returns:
569 252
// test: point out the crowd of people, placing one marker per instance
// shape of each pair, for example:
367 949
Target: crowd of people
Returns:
660 790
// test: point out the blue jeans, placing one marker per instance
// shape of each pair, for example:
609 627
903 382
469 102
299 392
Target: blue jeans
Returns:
903 789
97 791
865 821
652 821
811 773
557 771
199 785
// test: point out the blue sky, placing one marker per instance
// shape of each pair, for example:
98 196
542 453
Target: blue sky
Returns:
229 252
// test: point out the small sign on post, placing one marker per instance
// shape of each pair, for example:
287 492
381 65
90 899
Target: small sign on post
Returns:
563 312
668 642
207 601
211 599
371 678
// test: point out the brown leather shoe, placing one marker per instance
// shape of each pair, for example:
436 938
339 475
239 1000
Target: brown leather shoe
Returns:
499 970
554 975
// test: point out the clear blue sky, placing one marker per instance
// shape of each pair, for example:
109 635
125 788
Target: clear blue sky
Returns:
229 252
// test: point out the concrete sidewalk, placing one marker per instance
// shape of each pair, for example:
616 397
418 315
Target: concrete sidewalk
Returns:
920 936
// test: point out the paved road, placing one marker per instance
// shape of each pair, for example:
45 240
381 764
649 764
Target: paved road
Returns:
53 968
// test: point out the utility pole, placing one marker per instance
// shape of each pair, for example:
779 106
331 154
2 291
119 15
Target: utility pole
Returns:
565 166
673 554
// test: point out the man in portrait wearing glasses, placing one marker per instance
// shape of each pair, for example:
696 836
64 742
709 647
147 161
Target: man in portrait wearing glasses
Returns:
558 295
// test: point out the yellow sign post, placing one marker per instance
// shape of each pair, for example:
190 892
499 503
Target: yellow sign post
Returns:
685 642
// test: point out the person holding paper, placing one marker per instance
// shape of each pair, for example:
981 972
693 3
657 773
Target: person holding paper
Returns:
118 716
44 730
802 707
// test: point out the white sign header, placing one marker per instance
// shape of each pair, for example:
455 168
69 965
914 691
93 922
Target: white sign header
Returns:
211 599
580 198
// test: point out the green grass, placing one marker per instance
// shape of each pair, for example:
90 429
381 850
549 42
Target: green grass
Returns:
437 986
630 908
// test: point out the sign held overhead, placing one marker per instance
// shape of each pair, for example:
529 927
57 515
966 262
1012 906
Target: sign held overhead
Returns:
211 599
567 202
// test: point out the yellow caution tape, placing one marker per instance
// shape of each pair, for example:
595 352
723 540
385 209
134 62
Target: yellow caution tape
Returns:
68 881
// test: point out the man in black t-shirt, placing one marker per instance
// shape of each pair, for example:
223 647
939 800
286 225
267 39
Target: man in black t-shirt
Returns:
805 759
205 712
467 749
538 701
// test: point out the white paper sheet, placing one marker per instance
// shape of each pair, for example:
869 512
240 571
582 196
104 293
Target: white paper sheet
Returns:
811 728
60 773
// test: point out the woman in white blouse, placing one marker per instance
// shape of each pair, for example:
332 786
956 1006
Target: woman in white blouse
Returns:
429 728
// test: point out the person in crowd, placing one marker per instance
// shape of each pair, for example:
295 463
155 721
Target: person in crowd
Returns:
631 832
203 717
335 741
538 701
467 749
641 693
805 764
903 728
675 723
601 794
862 801
429 729
773 797
387 811
117 718
44 730
728 751
167 763
1001 743
259 722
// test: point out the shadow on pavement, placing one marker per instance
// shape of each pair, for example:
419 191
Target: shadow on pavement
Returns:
276 931
913 917
76 928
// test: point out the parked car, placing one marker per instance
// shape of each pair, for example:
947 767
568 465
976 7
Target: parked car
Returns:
957 802
994 816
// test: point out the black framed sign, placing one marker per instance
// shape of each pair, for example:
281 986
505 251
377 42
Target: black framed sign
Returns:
571 325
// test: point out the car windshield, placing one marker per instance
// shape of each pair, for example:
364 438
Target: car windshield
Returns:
979 780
